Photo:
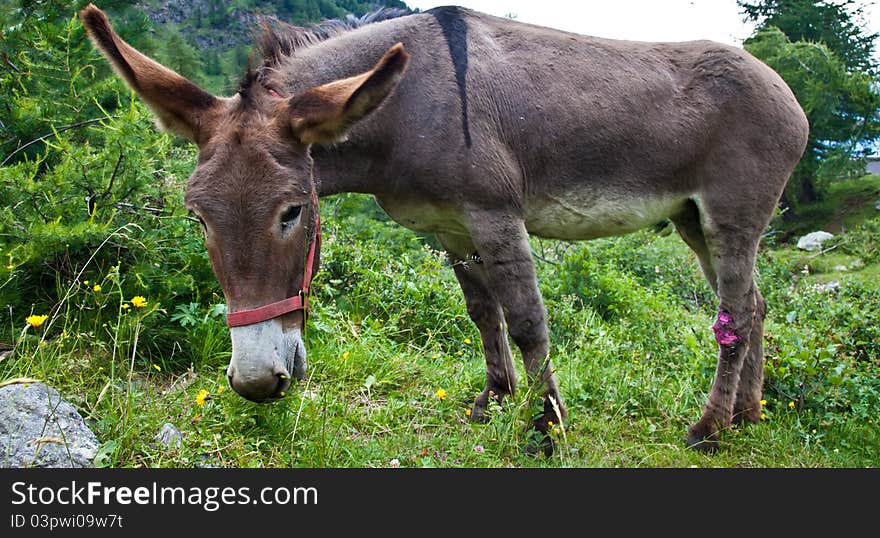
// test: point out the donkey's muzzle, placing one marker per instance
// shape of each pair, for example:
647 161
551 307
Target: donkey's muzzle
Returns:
265 386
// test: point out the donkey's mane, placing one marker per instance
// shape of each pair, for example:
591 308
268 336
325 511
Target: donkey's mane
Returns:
278 40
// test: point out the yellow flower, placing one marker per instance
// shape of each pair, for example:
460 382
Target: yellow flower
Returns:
467 340
763 416
549 422
36 321
791 405
441 394
467 412
201 397
763 402
86 282
220 389
435 356
96 287
345 355
125 306
138 301
157 367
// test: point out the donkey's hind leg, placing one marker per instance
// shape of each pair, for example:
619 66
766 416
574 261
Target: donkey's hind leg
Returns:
732 244
751 380
486 313
747 407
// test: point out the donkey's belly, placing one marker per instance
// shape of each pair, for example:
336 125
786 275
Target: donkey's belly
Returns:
589 216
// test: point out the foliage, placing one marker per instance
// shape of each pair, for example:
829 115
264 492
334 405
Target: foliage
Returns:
839 25
824 54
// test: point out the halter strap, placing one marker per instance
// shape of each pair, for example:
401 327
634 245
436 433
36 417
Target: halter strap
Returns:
299 301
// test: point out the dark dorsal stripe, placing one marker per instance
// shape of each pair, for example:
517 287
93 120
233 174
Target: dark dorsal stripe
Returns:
455 32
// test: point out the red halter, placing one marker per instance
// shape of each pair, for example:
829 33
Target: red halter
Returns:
299 301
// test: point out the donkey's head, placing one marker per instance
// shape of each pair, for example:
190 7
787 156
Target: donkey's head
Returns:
254 193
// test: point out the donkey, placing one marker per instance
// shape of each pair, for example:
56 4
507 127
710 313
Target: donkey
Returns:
481 130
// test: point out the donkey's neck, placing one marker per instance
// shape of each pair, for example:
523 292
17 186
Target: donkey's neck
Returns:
350 167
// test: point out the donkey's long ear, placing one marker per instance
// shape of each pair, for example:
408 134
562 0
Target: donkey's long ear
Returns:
181 106
322 114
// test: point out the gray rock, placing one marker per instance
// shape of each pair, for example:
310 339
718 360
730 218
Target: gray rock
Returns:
169 435
827 287
813 241
39 428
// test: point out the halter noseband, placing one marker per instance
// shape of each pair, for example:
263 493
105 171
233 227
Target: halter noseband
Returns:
299 301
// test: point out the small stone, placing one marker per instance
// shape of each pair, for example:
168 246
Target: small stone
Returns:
813 241
169 436
827 287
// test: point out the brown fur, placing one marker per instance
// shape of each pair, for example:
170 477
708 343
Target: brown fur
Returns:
484 130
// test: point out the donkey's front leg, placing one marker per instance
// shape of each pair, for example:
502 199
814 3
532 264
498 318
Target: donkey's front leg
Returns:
502 242
485 311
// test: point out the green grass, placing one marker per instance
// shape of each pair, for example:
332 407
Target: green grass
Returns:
629 320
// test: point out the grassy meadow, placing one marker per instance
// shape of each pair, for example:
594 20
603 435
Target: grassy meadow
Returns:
106 294
134 337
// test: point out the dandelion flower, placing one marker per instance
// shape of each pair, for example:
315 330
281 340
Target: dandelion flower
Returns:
36 321
201 396
96 287
86 282
345 355
763 416
221 388
138 301
791 405
125 306
467 412
763 402
441 394
435 356
157 367
467 341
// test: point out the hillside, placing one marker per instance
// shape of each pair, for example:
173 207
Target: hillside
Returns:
209 40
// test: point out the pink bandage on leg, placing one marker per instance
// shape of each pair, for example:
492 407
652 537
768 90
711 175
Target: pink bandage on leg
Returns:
723 328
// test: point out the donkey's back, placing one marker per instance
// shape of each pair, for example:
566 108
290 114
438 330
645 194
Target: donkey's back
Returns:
586 136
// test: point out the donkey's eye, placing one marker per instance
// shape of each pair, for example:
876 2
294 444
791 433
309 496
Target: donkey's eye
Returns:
290 216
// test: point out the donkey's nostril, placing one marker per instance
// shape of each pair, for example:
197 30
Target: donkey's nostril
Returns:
283 381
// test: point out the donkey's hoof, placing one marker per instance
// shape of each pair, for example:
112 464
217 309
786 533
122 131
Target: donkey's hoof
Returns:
479 414
750 415
702 440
